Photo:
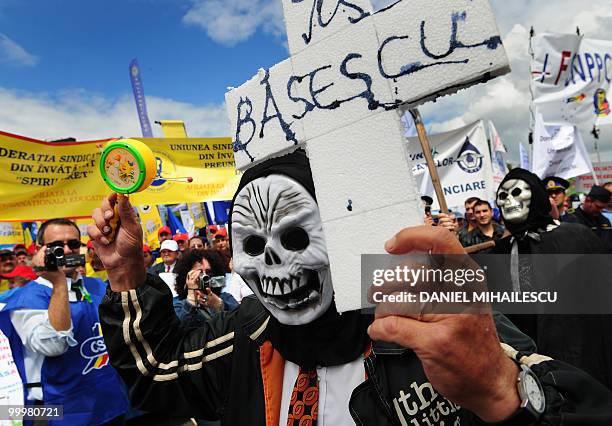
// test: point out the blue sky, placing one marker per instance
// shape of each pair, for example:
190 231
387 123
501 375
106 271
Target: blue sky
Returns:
89 44
64 63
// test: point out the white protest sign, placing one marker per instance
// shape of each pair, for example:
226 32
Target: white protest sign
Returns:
603 171
11 385
463 162
572 78
558 150
339 94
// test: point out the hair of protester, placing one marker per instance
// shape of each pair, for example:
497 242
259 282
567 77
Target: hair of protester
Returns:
190 258
471 200
197 238
483 203
226 255
58 221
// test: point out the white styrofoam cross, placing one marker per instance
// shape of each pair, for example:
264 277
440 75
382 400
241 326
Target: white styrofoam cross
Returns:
339 95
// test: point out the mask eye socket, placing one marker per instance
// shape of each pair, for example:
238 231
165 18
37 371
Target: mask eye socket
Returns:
295 239
502 195
254 245
516 192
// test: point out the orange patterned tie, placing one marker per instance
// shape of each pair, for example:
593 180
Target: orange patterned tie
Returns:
304 404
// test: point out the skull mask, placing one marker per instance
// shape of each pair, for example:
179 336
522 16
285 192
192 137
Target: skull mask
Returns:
514 199
279 248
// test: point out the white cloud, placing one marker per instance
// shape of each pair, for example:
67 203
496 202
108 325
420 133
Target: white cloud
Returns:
506 100
87 116
12 53
230 22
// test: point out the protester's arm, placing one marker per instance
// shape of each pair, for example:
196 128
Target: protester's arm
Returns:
229 302
122 258
38 335
487 384
47 332
168 368
59 309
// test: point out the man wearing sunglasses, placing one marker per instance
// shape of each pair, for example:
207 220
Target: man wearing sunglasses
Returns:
64 357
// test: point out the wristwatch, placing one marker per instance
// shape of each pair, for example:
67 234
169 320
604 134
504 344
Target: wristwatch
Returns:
533 401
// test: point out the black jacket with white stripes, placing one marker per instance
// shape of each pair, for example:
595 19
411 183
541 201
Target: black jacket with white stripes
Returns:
226 370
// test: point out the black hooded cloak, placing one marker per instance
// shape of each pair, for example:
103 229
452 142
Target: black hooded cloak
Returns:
580 340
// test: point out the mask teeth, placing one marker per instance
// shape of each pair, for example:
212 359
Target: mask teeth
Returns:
277 287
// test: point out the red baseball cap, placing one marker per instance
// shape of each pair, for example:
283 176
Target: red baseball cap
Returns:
21 271
146 249
164 229
221 233
19 247
181 237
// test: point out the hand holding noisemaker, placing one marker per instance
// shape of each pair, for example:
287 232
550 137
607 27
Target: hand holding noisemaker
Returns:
127 166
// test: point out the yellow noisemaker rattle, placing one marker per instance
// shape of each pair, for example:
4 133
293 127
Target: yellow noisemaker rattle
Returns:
127 166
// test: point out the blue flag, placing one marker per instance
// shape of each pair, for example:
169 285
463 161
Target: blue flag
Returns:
139 97
176 226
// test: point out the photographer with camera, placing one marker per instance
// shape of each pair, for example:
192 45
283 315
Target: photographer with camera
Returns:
61 344
199 284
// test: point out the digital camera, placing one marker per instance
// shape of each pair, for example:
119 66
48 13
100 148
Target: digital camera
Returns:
214 283
55 259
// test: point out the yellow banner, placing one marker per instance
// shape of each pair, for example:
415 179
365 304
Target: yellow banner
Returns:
173 128
199 217
11 233
151 222
41 180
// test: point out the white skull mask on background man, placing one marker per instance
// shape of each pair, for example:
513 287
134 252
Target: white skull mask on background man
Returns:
514 200
279 248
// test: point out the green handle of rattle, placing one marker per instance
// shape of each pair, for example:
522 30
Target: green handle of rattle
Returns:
114 222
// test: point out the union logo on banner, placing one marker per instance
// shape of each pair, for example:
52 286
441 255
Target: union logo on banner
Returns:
470 158
94 350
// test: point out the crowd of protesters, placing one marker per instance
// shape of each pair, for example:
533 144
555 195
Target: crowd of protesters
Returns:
483 223
198 272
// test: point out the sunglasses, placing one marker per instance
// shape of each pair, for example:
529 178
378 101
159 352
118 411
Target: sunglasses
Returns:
72 244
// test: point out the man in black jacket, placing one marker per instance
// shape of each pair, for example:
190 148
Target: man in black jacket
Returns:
590 214
288 357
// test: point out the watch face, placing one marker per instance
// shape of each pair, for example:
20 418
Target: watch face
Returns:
534 393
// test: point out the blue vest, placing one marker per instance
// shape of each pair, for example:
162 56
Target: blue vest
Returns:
82 379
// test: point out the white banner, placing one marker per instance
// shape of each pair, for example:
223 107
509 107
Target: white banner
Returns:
559 151
603 171
11 385
463 162
572 79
